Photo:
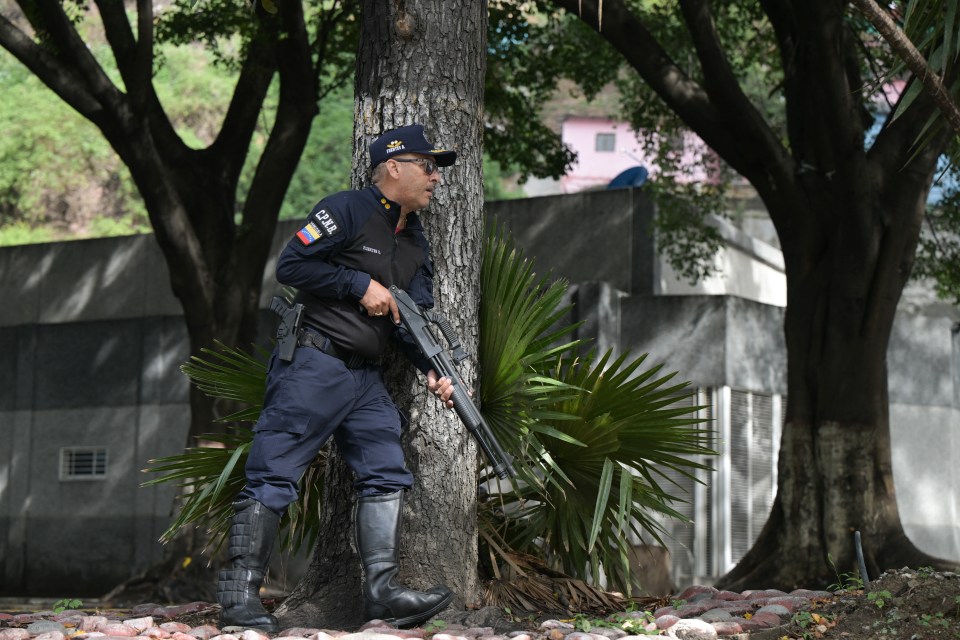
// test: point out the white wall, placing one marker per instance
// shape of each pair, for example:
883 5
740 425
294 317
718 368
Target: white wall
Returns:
744 267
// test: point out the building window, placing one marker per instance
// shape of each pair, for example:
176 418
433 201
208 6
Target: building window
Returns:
606 141
83 463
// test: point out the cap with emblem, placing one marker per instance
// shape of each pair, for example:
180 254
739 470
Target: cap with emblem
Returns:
408 139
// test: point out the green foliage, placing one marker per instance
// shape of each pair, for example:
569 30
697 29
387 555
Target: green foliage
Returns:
63 604
522 331
635 626
604 453
58 176
533 46
57 154
327 159
879 598
495 179
938 256
56 170
812 624
927 620
211 475
17 233
596 436
194 90
934 29
684 234
435 626
845 581
593 439
523 67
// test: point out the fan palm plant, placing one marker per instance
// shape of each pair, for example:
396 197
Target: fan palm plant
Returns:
592 438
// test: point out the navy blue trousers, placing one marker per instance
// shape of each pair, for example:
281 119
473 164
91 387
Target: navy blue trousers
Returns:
310 399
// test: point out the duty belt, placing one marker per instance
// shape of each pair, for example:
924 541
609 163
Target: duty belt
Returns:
312 338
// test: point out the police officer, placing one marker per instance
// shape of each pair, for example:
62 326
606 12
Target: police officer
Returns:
353 247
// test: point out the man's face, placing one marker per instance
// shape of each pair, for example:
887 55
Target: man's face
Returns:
417 179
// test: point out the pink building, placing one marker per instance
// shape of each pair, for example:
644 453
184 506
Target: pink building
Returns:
606 147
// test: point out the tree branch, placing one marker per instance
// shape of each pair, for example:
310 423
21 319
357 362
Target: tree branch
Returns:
719 79
726 127
245 106
295 112
72 48
49 70
912 58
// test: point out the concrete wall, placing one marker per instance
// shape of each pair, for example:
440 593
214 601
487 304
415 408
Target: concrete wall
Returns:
89 345
924 361
606 236
91 340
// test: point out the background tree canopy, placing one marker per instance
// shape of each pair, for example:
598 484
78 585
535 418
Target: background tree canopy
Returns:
59 179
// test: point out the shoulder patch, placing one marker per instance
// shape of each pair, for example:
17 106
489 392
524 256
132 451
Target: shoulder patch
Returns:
309 234
321 225
325 221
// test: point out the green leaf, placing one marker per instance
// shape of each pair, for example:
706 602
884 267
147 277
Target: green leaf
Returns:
603 495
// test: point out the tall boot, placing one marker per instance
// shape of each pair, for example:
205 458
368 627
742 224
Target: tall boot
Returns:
252 533
378 537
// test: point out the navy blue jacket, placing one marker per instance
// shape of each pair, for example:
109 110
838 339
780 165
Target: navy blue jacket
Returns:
349 238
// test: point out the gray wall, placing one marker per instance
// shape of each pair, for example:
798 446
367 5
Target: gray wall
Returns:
89 349
591 236
91 340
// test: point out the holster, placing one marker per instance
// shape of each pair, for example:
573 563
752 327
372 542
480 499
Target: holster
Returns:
289 327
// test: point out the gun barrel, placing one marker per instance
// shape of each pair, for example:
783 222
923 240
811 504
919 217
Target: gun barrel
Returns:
415 322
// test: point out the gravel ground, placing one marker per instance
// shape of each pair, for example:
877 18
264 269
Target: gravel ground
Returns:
900 605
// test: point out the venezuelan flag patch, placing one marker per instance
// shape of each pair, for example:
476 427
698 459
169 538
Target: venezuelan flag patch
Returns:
309 234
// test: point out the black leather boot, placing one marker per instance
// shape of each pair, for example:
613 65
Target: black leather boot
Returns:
252 533
378 537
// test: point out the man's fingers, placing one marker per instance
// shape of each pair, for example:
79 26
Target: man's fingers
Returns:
394 310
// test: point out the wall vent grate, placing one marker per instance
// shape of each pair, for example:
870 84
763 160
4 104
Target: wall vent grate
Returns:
83 463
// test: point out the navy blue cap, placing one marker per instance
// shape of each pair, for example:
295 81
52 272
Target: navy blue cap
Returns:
408 139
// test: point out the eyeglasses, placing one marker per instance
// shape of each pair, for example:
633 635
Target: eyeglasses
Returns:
429 164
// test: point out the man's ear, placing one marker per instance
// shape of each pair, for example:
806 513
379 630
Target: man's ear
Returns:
393 169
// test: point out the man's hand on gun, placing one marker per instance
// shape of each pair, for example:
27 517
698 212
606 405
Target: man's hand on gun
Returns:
377 301
442 388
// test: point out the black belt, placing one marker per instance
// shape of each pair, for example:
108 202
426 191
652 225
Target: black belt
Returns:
312 338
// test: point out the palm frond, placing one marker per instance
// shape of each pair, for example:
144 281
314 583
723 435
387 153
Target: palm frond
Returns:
630 426
231 374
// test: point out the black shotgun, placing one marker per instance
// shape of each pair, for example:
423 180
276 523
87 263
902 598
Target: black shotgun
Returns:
417 323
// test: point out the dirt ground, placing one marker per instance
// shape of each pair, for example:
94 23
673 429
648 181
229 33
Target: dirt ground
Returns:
907 604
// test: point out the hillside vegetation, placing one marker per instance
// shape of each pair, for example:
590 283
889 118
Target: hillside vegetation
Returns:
60 180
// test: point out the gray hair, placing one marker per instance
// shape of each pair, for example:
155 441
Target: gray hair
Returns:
379 173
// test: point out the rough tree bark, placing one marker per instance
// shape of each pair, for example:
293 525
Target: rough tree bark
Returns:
848 219
419 61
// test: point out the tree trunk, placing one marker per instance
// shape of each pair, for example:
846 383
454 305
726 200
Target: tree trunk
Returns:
423 62
835 463
848 219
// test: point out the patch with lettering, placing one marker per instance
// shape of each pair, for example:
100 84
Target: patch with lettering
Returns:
325 221
371 249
